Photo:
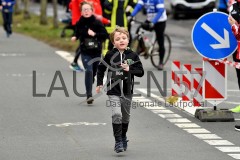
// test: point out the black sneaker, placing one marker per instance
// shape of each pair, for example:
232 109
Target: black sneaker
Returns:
118 147
237 127
125 141
90 100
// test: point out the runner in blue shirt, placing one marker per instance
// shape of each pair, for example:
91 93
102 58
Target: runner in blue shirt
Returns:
156 20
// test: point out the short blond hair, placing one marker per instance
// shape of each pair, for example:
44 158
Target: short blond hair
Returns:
118 29
86 2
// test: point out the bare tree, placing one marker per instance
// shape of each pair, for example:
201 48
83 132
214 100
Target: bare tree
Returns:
43 12
17 7
55 15
26 13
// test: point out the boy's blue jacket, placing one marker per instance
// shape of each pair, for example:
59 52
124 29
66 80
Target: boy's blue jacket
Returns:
116 75
7 8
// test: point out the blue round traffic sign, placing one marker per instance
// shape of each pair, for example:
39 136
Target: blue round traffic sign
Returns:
212 36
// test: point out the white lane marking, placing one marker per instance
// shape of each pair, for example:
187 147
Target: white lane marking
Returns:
211 138
207 136
236 156
179 120
233 95
231 102
229 149
12 54
161 111
23 75
142 97
154 108
154 89
143 100
76 124
67 56
201 130
219 142
169 115
233 90
187 125
152 95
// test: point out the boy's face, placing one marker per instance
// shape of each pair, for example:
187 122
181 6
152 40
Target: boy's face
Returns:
120 41
86 11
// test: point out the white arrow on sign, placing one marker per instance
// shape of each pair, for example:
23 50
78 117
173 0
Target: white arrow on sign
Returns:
223 42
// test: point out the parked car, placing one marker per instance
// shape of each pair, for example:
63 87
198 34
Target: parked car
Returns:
184 7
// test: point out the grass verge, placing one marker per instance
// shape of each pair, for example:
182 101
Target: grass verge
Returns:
46 33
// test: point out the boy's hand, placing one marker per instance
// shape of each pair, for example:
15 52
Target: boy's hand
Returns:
91 33
125 67
73 39
98 88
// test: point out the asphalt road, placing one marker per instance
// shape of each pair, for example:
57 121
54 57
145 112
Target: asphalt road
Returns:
39 123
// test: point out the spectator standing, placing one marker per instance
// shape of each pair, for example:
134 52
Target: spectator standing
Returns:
116 11
91 33
123 65
7 11
234 21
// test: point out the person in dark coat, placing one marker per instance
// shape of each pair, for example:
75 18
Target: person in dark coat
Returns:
91 34
7 10
234 21
123 64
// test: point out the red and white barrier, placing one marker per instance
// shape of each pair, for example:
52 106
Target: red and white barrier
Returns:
215 81
232 64
187 82
176 90
225 61
197 87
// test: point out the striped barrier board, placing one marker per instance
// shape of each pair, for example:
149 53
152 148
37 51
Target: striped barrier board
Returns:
215 83
176 90
197 87
187 82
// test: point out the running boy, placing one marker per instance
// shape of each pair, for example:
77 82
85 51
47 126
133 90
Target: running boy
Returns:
123 65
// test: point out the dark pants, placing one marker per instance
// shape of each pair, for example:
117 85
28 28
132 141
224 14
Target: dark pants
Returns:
237 70
77 54
7 21
90 71
159 29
